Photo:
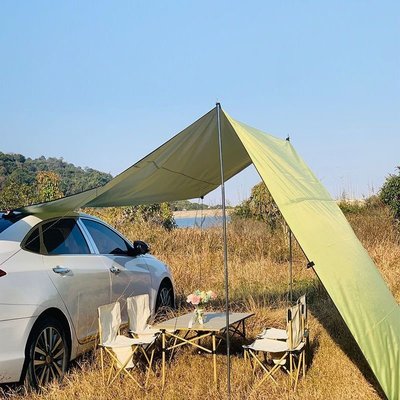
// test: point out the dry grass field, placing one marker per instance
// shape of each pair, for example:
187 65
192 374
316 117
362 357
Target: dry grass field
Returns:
258 283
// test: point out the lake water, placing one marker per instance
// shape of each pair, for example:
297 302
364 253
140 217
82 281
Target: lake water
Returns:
193 222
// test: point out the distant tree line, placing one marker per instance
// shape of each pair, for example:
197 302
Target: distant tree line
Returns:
189 205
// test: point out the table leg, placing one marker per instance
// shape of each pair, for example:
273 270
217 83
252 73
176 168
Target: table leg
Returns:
214 353
163 358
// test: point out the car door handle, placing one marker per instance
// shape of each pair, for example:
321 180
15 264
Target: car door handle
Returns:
115 270
61 270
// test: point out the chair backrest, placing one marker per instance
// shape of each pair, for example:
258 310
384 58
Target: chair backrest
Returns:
109 322
303 308
138 312
294 326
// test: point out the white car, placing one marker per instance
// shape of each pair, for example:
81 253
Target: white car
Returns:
54 273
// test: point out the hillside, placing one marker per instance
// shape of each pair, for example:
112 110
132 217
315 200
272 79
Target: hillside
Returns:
22 171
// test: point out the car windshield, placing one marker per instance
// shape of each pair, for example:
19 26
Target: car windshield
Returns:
6 220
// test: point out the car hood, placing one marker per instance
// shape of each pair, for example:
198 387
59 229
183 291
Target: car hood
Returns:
8 249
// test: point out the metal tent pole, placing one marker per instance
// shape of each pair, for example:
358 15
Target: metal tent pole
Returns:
218 108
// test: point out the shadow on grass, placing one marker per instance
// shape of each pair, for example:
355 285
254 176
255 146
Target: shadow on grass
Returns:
324 310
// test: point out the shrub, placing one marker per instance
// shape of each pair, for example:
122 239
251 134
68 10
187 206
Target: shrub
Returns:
141 215
157 213
351 207
260 206
390 193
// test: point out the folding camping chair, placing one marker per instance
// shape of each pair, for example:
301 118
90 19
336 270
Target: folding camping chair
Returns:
120 348
290 351
305 329
281 334
138 316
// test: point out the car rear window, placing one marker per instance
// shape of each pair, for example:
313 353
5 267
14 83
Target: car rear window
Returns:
6 220
64 237
4 224
33 242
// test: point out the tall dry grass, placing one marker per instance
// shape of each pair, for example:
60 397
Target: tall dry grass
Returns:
258 267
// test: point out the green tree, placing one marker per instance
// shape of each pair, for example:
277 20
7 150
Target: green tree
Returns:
48 186
260 206
15 195
390 193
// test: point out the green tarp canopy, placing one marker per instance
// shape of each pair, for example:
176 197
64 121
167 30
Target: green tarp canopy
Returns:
188 166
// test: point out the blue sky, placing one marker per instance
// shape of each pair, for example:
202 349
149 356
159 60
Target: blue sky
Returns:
103 83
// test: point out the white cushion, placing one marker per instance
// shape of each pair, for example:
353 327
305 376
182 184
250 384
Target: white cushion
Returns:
273 333
269 345
121 341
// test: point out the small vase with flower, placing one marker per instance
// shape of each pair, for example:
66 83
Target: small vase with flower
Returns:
199 298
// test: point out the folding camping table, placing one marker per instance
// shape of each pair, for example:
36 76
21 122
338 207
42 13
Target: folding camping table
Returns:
214 326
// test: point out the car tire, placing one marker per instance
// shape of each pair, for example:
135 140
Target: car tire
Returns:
47 353
165 297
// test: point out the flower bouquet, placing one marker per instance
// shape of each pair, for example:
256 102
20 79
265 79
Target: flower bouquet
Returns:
198 298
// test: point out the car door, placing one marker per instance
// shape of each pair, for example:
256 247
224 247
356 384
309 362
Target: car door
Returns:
130 275
81 278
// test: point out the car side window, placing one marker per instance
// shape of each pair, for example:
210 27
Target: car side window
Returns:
106 240
64 237
32 243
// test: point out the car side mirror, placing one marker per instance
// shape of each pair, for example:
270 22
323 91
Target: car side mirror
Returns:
140 247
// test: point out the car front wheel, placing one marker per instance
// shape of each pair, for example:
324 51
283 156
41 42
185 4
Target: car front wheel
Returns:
47 353
165 297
